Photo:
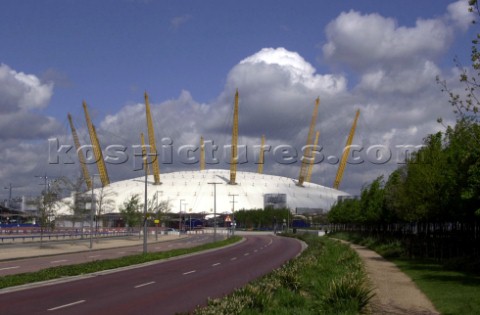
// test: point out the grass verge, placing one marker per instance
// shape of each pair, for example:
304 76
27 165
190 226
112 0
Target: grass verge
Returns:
328 278
100 265
452 292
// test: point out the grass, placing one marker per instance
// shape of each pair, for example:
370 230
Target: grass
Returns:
328 278
452 292
100 265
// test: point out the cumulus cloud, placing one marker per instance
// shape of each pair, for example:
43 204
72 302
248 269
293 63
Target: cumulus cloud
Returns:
363 41
20 95
20 91
459 14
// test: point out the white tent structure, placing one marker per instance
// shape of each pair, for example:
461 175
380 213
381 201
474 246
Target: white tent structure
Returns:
193 192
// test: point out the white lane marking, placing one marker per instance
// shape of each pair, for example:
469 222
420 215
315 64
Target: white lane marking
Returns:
215 264
189 272
93 256
65 305
58 261
144 284
255 250
246 254
121 253
7 268
233 258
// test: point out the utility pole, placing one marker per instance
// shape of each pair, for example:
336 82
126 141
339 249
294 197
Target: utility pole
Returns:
233 213
214 209
45 177
9 195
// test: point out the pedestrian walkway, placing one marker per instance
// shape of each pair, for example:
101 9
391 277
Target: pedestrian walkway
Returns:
395 292
26 250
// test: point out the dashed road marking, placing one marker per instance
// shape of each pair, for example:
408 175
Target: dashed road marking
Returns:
144 284
93 256
189 272
58 261
215 264
65 305
246 254
7 268
233 258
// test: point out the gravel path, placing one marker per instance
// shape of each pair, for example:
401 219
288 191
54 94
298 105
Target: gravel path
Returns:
395 292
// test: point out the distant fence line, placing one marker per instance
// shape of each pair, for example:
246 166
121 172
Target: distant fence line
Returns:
439 241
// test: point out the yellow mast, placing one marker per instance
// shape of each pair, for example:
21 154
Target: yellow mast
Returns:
153 147
144 152
234 159
202 154
102 169
346 152
308 149
261 159
312 160
81 158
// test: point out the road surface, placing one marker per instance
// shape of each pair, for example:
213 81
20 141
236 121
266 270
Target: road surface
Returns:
14 266
163 288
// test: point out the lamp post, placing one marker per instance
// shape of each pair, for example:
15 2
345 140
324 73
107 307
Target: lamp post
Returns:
233 213
92 209
180 217
145 211
185 212
214 209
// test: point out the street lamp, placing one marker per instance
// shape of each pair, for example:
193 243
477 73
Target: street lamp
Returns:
92 208
180 217
185 212
233 212
214 209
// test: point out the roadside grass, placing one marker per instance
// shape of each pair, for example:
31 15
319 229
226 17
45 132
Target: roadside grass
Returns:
452 292
101 265
327 278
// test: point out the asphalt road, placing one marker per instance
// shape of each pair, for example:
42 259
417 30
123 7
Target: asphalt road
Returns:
163 288
34 264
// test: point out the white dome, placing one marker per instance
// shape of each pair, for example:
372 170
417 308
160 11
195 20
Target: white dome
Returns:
192 189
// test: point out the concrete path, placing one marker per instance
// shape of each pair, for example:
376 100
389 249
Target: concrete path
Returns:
395 292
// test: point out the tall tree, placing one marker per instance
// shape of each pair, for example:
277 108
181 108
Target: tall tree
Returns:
131 211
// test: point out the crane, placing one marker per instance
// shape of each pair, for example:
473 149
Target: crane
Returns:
151 140
234 159
308 149
261 158
81 158
202 154
102 169
346 152
312 160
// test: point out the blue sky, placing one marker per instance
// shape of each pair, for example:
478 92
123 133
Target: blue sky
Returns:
188 55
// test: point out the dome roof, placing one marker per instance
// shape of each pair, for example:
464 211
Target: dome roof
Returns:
193 191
